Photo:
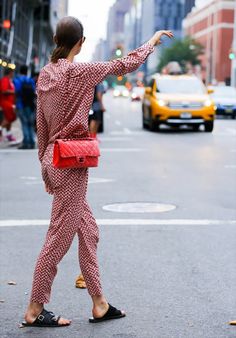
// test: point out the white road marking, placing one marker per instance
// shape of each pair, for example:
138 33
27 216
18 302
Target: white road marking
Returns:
100 180
233 150
127 131
33 182
122 132
122 150
30 178
225 132
123 221
231 131
113 139
230 166
19 151
139 207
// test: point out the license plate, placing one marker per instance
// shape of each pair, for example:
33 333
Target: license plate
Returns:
228 110
185 115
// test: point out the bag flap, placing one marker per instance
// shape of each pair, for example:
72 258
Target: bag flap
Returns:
80 148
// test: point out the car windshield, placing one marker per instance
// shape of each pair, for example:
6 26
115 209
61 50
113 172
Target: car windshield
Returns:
180 86
224 91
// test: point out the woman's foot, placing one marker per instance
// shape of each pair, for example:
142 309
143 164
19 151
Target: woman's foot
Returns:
103 311
111 313
99 310
34 310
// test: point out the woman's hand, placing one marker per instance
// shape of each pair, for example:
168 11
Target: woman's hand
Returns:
48 190
156 39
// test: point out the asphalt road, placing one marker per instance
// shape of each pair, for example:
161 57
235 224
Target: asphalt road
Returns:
173 272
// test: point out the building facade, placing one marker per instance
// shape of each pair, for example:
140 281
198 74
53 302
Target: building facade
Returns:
100 52
28 39
233 61
133 27
158 15
188 5
212 25
116 26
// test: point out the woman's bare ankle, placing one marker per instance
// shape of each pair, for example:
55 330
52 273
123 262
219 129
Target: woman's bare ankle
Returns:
33 311
100 306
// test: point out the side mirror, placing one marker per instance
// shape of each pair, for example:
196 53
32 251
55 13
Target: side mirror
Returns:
210 90
148 90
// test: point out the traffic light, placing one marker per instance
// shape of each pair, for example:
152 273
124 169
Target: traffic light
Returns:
118 52
232 54
6 24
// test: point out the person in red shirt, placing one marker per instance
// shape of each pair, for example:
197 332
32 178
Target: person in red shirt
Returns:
7 102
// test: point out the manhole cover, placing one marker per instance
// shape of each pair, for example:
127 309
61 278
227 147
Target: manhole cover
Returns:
139 207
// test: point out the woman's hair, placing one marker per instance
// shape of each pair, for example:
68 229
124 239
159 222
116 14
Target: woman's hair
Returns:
68 32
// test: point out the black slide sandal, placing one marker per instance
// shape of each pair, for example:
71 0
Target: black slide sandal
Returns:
112 313
45 319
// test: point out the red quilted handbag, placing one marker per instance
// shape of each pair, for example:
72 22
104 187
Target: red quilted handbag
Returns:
80 153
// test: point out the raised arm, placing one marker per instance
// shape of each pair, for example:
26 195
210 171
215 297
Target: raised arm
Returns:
97 71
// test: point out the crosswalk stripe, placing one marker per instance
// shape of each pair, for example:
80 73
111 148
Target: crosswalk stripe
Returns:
123 221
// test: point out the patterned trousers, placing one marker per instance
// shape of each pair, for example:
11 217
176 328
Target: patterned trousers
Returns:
71 215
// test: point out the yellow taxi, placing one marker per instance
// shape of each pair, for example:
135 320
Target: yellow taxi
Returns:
177 100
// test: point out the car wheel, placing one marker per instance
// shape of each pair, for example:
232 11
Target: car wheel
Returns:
209 125
153 125
144 123
143 118
234 116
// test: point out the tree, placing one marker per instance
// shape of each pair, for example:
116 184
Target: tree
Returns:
183 51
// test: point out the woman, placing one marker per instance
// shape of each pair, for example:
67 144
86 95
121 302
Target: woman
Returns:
65 94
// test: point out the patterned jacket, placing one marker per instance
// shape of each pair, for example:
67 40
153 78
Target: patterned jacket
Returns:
65 93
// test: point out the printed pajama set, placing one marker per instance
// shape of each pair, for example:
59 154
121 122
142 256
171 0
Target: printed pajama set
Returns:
65 94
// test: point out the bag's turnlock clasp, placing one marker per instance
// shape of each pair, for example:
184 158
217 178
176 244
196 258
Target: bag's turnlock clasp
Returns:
80 159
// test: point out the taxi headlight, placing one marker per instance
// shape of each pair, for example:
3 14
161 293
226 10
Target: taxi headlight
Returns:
161 103
116 92
207 103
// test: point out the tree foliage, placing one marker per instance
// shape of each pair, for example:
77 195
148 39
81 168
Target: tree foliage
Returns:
183 51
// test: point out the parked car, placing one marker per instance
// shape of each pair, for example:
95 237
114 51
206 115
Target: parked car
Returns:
225 100
120 91
177 100
137 93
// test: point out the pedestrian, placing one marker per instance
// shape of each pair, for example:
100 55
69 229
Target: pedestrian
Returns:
25 105
96 113
7 103
65 93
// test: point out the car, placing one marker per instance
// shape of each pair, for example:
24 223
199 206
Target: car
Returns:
177 100
137 93
120 91
225 100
